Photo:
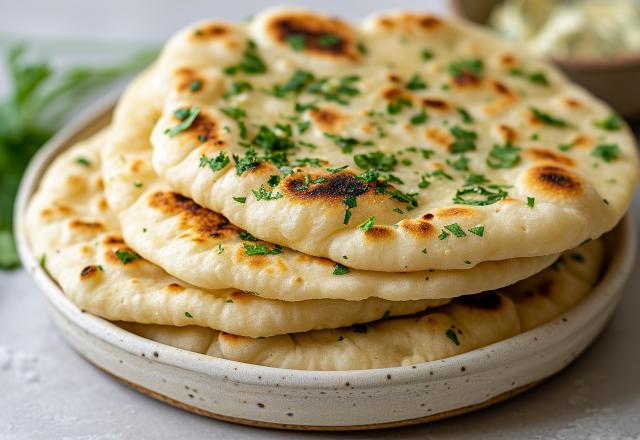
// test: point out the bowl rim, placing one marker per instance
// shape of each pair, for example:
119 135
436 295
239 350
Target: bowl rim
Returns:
538 339
622 61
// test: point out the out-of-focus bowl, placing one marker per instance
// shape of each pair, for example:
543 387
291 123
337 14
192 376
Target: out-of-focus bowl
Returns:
614 79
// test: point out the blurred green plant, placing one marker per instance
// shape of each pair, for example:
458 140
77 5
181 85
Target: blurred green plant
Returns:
39 101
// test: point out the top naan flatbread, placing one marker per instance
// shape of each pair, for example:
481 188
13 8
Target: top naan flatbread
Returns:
405 143
204 249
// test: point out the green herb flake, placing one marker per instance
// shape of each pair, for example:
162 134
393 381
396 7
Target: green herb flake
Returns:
366 225
328 40
398 105
465 115
188 315
537 77
477 230
473 67
426 54
350 202
334 170
461 164
606 152
126 256
340 269
138 184
238 88
455 229
195 85
220 249
612 122
260 249
251 62
246 236
478 195
215 163
531 201
415 83
464 140
419 118
187 116
240 199
43 262
547 119
451 334
443 235
296 41
503 156
263 194
83 161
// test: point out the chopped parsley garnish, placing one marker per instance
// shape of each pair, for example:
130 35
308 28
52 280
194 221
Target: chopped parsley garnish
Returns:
83 161
535 77
251 62
248 162
260 249
346 143
215 163
295 41
565 147
350 202
426 153
263 194
455 229
188 315
475 179
229 301
238 115
328 40
426 54
547 119
240 199
126 256
220 249
43 262
443 235
295 84
606 152
477 230
531 201
187 116
366 225
397 105
195 85
415 83
138 184
246 236
610 123
478 195
451 334
362 49
237 88
461 164
466 117
334 170
376 160
503 156
467 67
464 140
340 269
409 198
419 118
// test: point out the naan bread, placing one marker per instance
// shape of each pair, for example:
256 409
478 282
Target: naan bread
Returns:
70 227
479 133
466 324
204 249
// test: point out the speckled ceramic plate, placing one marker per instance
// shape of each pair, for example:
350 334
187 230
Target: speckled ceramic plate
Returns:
294 399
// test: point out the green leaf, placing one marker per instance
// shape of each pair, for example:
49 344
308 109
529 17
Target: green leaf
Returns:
366 225
606 152
547 119
126 256
451 334
260 249
340 269
187 116
455 229
610 123
477 230
478 195
503 156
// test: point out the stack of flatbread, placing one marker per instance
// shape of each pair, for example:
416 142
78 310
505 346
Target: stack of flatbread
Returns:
298 192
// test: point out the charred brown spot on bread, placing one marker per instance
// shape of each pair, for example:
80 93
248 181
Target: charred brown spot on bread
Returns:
582 141
429 21
210 31
89 272
328 119
550 156
484 301
418 228
242 297
466 78
572 103
436 104
320 35
554 181
502 90
455 211
393 93
82 225
439 136
308 259
394 78
100 184
201 224
379 233
174 288
185 77
113 240
205 128
427 217
136 166
408 21
508 60
103 205
336 187
507 133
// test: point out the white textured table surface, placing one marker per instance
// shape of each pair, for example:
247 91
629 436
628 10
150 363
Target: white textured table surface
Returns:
47 391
